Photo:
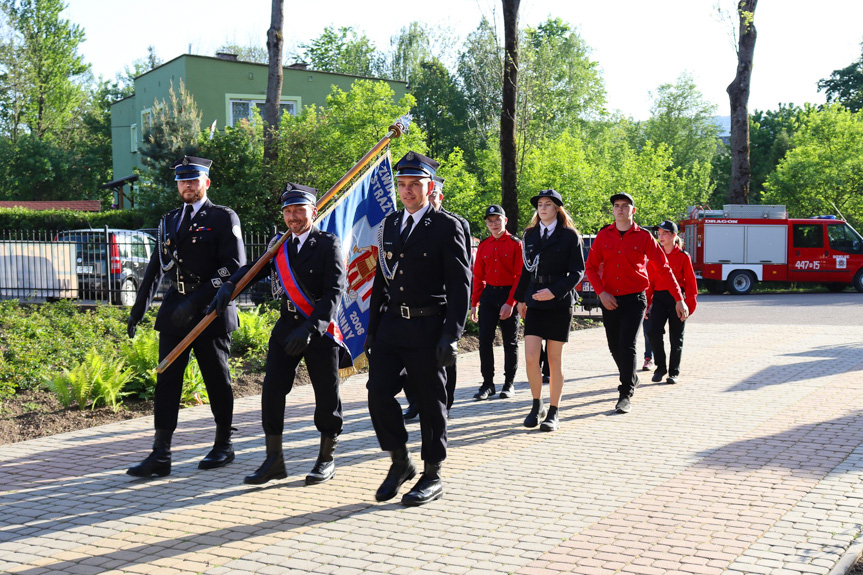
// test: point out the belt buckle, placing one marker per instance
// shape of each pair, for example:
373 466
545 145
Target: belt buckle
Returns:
181 288
405 311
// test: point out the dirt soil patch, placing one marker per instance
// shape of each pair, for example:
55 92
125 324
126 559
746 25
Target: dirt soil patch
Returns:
37 413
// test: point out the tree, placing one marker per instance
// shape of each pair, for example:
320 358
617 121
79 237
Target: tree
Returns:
480 73
440 110
47 67
411 48
683 120
508 149
248 53
770 135
823 170
344 51
845 86
272 105
738 94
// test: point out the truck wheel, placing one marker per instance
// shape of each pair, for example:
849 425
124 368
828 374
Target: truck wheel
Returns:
858 280
716 287
740 282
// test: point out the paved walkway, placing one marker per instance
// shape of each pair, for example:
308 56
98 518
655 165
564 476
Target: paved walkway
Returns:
752 464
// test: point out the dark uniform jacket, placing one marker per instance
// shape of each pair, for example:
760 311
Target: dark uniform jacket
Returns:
560 267
319 268
204 258
432 271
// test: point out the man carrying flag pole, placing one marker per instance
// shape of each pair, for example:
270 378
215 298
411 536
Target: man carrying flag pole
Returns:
310 274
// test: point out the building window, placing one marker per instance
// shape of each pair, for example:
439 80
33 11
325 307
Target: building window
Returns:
243 109
133 133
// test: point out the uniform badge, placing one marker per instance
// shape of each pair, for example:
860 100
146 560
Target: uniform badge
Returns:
409 156
216 282
389 255
223 272
168 242
185 161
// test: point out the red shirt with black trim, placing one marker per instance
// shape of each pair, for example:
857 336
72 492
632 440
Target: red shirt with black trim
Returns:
498 263
622 264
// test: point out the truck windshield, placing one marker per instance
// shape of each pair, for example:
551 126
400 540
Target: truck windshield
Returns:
844 238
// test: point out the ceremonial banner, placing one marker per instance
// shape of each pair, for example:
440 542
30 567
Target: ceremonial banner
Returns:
355 218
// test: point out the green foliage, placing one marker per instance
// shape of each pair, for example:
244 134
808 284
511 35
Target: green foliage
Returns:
824 167
56 220
95 379
480 69
141 354
253 336
344 51
440 109
194 390
411 48
770 136
845 86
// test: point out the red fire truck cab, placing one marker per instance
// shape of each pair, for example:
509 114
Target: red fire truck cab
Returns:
736 246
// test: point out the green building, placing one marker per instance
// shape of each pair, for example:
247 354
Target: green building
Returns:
225 91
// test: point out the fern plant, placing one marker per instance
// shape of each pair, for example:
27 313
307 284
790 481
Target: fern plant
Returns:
194 390
141 354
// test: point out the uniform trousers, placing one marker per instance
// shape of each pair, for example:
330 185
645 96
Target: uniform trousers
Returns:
450 375
322 363
621 331
212 354
429 388
664 309
490 302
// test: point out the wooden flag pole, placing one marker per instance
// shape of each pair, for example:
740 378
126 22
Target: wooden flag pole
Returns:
396 130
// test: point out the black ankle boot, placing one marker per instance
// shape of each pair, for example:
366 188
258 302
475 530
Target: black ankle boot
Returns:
401 470
158 463
223 450
552 421
273 466
537 412
427 489
325 467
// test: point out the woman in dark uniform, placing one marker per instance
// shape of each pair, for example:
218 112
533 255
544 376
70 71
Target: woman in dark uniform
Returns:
553 266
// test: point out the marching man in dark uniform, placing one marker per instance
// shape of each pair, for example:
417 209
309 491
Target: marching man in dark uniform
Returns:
623 261
495 277
418 310
200 246
309 271
436 199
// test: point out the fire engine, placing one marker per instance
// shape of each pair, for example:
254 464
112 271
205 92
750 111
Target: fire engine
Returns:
736 246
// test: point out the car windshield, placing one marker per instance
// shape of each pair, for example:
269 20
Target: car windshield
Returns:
91 244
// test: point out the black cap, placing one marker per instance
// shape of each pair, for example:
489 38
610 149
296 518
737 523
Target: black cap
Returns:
494 210
191 168
668 226
298 194
550 194
414 164
622 196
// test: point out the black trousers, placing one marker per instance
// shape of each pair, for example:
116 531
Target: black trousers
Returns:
322 363
450 373
621 330
385 364
662 311
212 354
490 302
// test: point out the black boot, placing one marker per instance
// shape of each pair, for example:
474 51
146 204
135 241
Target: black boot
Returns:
411 411
401 470
427 489
273 466
223 450
537 412
325 467
158 463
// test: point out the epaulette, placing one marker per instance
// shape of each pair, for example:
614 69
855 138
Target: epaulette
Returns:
606 226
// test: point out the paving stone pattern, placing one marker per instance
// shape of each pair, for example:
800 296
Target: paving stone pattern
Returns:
751 465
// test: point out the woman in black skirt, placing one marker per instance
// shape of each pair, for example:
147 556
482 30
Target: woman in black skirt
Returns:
553 266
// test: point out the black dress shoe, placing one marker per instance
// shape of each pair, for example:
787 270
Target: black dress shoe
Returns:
551 421
537 412
411 412
658 375
623 405
325 466
507 391
401 470
273 466
158 463
222 452
428 488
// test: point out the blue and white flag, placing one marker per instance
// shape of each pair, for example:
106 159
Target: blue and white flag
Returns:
355 218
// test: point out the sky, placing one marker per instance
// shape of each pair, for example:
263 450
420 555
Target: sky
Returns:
638 44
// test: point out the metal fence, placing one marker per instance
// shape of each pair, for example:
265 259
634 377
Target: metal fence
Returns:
98 265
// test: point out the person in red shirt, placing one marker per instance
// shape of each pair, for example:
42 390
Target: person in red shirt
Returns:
496 272
662 305
617 268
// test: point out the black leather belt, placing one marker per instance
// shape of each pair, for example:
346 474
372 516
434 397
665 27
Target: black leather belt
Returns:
545 280
407 312
185 287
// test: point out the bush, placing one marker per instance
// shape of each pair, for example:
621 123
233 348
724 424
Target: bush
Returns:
142 356
95 379
58 220
253 337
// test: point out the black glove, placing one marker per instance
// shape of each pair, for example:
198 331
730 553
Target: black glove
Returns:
298 340
447 349
367 345
183 314
131 326
222 300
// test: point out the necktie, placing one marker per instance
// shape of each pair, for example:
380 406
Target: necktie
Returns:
545 235
407 231
186 222
295 243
